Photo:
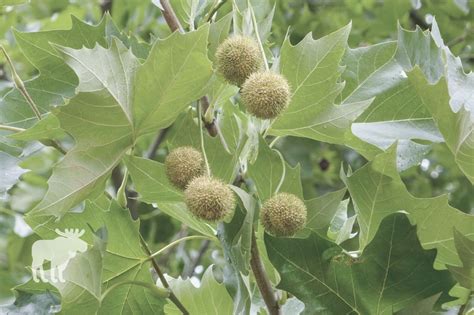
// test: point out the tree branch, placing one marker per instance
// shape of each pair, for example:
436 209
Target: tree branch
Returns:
263 283
170 17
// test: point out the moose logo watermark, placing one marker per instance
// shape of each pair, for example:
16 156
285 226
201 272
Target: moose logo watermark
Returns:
58 251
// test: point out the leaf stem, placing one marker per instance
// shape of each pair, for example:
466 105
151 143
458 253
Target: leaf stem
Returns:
187 238
255 26
163 280
21 86
121 192
215 9
274 141
263 283
10 128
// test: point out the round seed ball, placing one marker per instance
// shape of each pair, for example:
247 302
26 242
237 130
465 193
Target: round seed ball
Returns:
209 198
182 165
237 58
265 94
283 215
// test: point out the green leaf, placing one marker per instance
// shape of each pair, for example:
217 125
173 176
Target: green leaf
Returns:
112 69
98 118
124 258
153 186
56 81
341 226
46 128
397 113
375 190
175 74
393 272
418 48
271 174
82 276
210 298
444 90
378 191
465 248
312 68
236 236
321 212
457 127
218 32
425 306
103 134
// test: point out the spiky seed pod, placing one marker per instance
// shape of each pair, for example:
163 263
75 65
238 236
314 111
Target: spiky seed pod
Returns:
265 94
182 165
237 58
283 215
209 198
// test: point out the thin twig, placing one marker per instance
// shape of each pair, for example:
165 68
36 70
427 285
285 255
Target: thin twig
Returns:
163 280
263 283
215 9
260 44
202 250
156 143
10 128
20 85
187 238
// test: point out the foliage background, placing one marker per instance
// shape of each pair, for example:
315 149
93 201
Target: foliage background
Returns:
373 21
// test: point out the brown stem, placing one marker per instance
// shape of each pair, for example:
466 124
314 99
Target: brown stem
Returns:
163 280
263 283
174 24
210 125
170 17
157 142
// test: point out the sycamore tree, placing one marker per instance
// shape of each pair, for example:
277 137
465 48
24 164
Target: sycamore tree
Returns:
239 157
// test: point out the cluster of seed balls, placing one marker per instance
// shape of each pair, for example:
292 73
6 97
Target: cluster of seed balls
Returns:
206 197
212 200
265 95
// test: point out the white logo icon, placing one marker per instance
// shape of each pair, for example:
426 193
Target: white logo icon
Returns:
58 251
